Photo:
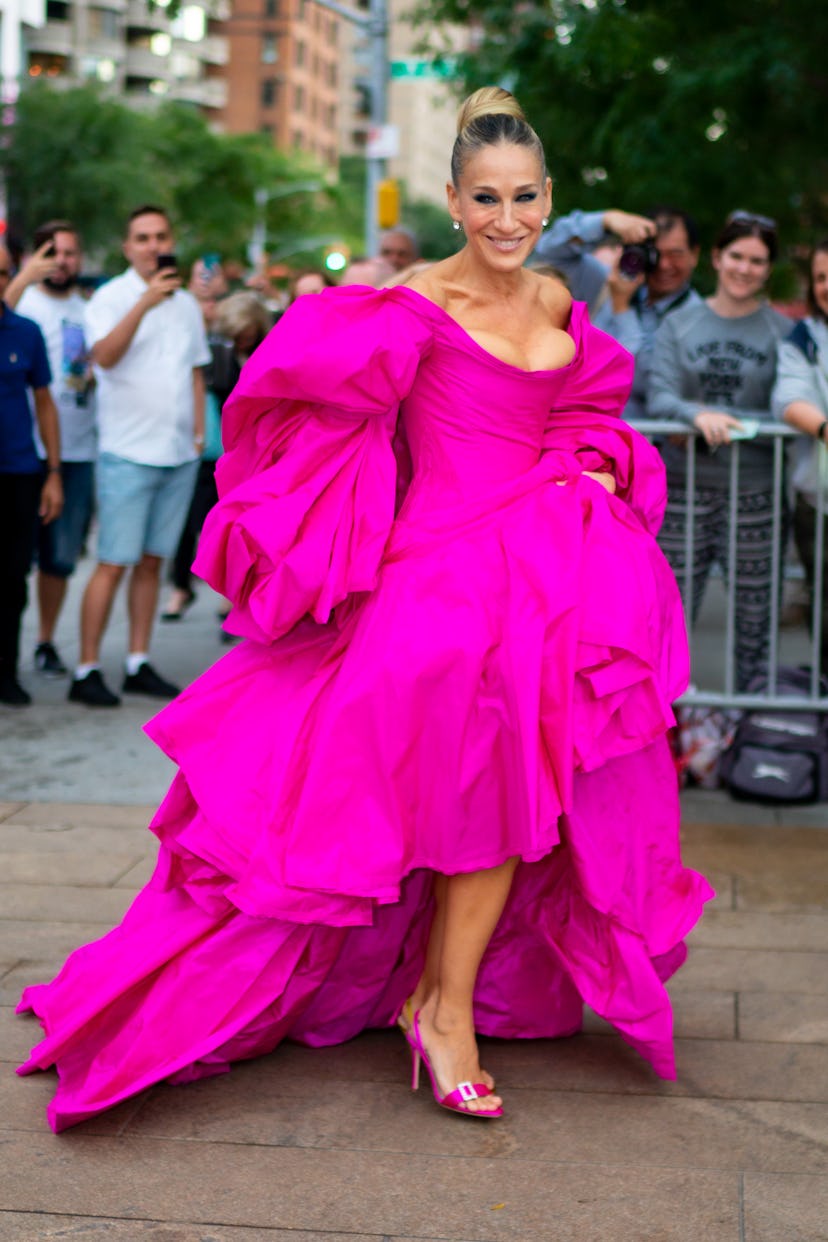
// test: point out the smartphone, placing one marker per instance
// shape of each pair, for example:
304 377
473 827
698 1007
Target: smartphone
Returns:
50 250
167 260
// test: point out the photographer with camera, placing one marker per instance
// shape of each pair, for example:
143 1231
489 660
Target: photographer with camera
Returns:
148 347
571 242
649 280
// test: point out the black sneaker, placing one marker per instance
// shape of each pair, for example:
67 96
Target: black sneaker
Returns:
48 662
93 691
147 681
12 693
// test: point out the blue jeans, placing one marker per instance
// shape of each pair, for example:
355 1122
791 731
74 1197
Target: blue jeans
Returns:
59 543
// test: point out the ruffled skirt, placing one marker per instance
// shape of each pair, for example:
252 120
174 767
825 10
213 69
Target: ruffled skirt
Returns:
499 694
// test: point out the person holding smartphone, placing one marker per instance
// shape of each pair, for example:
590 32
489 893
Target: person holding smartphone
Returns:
148 345
46 290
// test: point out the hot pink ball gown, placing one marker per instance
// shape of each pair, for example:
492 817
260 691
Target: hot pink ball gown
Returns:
459 649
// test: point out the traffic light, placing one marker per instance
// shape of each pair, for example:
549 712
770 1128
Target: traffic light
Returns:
336 258
388 203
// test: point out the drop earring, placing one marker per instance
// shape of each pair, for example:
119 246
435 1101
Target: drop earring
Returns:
455 224
544 222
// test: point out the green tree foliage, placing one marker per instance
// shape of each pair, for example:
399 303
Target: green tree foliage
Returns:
73 153
710 105
81 154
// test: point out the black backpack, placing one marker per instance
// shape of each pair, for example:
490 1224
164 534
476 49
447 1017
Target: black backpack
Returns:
779 756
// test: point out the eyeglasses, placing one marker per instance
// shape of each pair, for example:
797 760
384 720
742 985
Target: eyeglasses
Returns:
748 217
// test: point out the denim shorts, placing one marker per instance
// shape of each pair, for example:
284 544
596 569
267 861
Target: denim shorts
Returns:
60 543
141 509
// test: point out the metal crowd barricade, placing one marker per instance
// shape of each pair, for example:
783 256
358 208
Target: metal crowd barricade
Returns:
728 696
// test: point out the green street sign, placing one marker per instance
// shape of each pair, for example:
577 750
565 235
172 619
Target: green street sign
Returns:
416 67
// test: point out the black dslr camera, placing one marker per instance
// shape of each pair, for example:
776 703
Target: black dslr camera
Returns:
638 259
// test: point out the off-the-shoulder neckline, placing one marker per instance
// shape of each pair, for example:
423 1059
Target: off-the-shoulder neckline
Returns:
485 353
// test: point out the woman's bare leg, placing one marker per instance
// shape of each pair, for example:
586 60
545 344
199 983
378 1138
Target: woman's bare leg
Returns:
430 978
473 904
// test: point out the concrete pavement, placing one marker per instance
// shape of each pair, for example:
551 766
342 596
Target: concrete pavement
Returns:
329 1145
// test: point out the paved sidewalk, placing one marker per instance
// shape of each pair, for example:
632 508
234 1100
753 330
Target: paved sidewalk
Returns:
329 1145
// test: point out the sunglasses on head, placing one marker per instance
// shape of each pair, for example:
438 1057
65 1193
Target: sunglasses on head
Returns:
749 217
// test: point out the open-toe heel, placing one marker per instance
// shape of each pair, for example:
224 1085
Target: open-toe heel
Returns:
457 1099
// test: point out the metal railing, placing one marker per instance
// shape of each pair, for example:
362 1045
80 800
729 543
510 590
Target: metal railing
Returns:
728 696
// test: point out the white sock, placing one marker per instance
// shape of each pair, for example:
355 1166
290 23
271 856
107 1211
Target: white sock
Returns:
83 670
134 661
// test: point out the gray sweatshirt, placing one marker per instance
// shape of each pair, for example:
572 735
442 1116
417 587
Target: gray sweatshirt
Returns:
703 361
801 379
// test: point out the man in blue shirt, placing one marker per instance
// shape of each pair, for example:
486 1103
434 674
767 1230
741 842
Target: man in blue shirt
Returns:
28 488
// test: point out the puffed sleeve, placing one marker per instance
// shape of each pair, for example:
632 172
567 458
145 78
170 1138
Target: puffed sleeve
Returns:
307 483
585 429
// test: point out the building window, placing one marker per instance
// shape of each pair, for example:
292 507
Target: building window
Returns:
269 88
42 64
57 11
333 76
300 52
299 98
298 139
271 8
104 24
270 51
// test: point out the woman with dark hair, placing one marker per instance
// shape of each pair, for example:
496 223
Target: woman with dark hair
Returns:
434 785
800 397
713 367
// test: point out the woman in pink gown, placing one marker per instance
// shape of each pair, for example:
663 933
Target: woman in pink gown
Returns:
437 769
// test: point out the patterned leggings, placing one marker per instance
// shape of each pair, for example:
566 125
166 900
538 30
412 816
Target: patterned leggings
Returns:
755 552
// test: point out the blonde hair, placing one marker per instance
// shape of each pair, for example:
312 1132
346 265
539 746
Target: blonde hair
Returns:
241 312
490 116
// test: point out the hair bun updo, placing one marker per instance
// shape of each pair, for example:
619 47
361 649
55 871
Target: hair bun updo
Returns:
488 117
488 101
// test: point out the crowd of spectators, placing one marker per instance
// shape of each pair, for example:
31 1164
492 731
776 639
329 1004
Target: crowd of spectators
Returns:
110 423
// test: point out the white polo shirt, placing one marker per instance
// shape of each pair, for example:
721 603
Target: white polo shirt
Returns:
145 401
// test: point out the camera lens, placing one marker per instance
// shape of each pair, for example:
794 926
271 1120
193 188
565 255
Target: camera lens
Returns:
632 262
638 259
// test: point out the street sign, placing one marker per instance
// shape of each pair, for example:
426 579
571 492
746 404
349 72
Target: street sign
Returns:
417 67
383 142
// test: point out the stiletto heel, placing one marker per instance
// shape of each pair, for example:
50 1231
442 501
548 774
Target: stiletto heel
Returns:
457 1099
415 1070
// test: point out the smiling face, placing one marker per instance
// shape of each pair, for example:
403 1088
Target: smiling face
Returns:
500 201
677 261
742 268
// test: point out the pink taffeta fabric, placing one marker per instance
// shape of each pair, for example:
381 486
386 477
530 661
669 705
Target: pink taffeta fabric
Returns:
459 649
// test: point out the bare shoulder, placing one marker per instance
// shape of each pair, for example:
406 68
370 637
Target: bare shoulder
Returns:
554 297
434 282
